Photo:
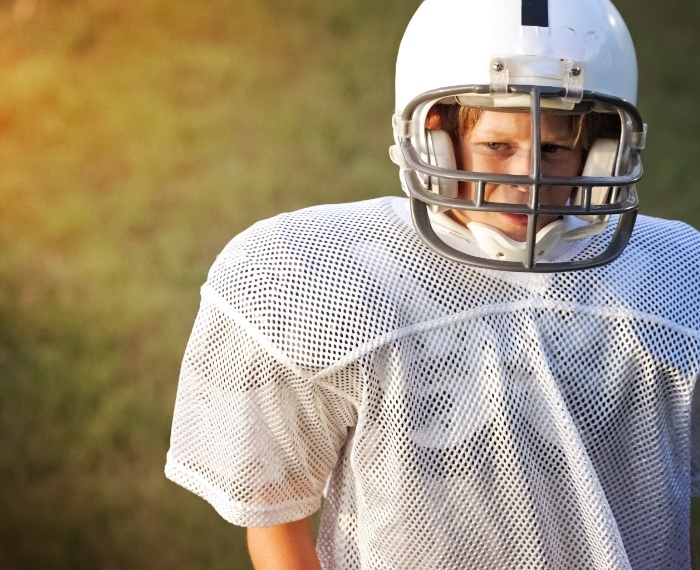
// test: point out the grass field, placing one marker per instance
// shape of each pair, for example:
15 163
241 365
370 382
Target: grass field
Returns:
137 137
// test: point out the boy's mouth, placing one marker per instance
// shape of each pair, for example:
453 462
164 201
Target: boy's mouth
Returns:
517 219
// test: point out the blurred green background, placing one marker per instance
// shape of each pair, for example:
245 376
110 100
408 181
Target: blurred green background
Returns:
136 138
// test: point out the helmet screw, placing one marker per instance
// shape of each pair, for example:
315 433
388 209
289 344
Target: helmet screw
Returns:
498 65
576 70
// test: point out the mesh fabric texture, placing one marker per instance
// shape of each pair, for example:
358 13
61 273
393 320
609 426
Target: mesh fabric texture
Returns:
455 417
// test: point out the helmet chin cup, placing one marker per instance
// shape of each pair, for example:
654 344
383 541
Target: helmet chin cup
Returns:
497 245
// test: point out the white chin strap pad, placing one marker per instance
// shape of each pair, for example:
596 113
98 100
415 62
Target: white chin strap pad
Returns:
497 245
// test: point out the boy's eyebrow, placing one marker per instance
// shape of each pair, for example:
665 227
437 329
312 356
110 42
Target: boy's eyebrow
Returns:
562 140
500 135
490 134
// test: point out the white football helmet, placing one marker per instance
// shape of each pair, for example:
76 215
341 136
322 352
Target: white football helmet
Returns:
529 56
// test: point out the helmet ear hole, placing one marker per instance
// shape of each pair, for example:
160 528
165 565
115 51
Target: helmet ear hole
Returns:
600 161
442 155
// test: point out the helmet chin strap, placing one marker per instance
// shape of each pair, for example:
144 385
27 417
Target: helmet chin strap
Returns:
497 245
493 242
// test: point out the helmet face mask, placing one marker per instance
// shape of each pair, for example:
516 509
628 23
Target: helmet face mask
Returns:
553 207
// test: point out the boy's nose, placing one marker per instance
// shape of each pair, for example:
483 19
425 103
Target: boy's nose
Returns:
520 162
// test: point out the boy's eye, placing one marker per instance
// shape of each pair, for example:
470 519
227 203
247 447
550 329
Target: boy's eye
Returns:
551 148
493 145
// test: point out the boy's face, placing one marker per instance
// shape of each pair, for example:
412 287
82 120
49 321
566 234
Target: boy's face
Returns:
500 142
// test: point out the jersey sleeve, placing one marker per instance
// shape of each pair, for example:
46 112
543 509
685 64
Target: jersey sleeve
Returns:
253 434
695 443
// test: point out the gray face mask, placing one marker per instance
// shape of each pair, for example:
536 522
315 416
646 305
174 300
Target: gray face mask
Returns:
598 200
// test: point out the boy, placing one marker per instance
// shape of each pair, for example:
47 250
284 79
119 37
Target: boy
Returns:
488 380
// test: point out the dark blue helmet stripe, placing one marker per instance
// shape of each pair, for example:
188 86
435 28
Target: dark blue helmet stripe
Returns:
536 13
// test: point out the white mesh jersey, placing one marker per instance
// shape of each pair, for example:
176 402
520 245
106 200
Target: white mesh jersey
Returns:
456 417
